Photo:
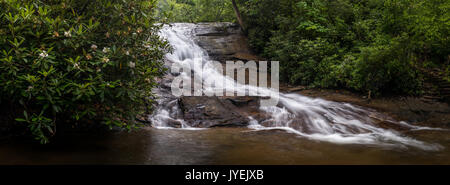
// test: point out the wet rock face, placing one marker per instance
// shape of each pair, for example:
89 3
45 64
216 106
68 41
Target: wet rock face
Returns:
223 41
207 112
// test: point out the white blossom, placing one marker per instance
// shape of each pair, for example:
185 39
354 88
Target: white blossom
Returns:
67 34
105 60
76 66
43 54
132 64
94 47
106 50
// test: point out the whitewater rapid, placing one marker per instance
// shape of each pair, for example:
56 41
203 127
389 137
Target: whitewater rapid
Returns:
312 118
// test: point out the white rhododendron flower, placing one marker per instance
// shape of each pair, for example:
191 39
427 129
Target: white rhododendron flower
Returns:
43 54
132 64
106 50
105 60
67 34
94 47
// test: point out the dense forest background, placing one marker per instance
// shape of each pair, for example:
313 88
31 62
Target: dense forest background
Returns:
380 47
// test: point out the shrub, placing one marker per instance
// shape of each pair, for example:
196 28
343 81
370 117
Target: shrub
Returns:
382 68
66 62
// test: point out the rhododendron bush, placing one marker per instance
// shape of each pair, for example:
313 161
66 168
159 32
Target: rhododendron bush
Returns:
64 62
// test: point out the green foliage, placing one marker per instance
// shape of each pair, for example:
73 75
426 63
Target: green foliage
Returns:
369 45
68 61
381 69
195 10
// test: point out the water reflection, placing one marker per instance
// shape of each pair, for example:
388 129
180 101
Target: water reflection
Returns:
216 146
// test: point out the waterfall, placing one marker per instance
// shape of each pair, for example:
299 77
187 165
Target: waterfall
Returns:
312 118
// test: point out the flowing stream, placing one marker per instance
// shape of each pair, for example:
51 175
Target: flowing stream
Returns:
315 119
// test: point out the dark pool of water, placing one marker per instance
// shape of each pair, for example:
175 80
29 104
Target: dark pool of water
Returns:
216 146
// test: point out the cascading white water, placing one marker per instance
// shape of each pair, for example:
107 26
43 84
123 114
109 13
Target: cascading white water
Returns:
315 119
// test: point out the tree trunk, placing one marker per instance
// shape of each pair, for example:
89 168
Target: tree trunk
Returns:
238 15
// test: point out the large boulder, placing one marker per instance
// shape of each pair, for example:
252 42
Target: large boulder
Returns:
205 112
